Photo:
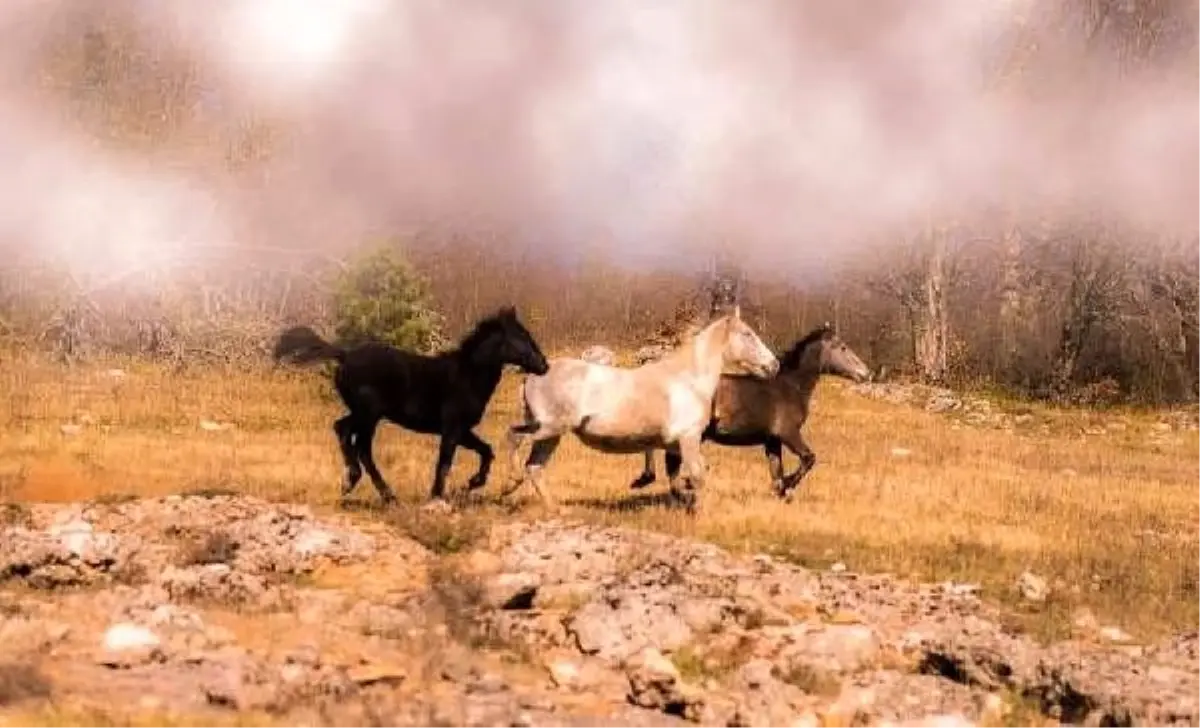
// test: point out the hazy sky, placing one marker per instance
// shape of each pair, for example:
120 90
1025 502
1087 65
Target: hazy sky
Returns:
793 133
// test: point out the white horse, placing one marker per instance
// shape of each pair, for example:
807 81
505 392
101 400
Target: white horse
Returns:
662 404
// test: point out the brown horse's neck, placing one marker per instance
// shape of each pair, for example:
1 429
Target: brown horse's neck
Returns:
802 378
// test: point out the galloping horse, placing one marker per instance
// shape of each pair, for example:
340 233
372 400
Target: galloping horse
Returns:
771 413
442 395
662 404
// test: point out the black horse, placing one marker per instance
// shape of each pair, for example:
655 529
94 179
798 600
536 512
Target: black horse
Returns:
441 395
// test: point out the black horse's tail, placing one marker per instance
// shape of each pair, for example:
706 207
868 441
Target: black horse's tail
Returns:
302 345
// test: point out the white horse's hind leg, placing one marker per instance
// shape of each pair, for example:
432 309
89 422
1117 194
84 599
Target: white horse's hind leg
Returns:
538 454
535 466
516 436
691 476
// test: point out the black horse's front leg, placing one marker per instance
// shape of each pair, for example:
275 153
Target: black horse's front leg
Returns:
344 429
473 442
445 459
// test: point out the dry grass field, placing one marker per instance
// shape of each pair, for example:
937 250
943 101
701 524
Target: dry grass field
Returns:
1109 520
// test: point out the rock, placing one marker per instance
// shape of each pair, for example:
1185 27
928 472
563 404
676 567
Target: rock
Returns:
625 622
214 426
942 403
1032 587
901 452
126 644
1084 621
833 648
376 674
313 542
569 672
599 355
512 590
70 429
564 673
1115 635
838 568
757 674
654 683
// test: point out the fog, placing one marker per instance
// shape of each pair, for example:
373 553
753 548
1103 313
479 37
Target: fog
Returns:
656 133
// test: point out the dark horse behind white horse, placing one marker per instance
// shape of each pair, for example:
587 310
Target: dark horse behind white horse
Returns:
771 413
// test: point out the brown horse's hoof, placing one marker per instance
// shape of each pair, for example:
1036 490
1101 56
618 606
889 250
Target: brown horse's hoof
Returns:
687 498
642 481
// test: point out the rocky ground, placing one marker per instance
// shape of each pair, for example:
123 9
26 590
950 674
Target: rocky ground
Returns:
973 411
224 608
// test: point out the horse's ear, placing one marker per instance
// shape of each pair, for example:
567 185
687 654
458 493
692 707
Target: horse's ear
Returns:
829 328
509 312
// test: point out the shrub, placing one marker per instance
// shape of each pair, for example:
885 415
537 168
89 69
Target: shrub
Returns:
380 297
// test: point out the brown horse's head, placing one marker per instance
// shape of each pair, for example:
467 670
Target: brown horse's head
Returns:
822 351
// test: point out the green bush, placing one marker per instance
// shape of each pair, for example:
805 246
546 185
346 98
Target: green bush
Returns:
380 297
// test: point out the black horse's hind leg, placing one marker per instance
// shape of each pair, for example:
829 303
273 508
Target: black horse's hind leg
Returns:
471 441
445 459
344 429
647 475
363 440
774 450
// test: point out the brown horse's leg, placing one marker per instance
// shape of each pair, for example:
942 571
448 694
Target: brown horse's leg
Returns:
363 440
808 459
674 462
344 429
471 441
647 477
774 449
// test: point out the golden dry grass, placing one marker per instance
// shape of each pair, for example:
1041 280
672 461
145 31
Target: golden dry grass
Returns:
1111 521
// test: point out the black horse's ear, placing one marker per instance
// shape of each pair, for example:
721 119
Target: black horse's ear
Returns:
508 312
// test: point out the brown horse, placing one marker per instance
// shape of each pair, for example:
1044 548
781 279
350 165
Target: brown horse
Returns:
771 412
665 404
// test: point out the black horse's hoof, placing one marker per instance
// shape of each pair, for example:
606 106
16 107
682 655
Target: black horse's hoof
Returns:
476 482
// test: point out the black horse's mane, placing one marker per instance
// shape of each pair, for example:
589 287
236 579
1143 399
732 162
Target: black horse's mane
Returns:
483 330
791 358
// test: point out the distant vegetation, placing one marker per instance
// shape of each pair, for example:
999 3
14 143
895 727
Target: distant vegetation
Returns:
1079 311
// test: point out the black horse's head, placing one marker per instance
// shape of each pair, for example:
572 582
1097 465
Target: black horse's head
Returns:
517 346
